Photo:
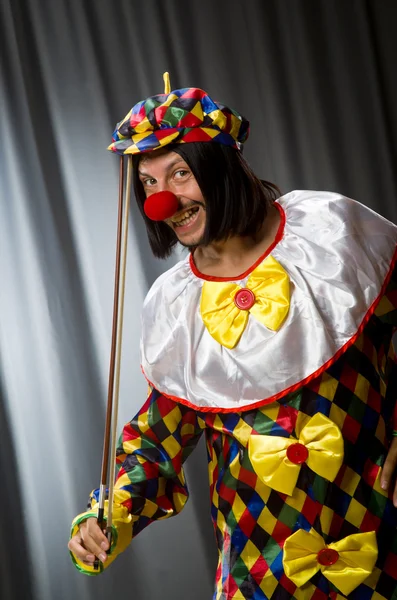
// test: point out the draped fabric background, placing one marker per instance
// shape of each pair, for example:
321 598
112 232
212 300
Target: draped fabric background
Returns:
317 80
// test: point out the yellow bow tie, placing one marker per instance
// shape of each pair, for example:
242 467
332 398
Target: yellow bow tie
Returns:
277 460
345 564
225 306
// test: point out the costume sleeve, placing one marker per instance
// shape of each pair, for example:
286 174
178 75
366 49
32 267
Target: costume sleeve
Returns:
150 483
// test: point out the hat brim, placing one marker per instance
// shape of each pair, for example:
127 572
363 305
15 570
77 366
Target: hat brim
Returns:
154 140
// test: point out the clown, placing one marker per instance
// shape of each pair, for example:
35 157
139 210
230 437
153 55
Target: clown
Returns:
273 339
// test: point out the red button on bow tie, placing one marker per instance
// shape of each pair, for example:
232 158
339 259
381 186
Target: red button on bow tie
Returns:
327 557
297 453
244 299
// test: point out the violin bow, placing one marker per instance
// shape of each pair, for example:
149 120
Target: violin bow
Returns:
110 433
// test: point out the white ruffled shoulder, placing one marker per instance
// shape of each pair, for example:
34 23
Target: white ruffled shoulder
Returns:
337 254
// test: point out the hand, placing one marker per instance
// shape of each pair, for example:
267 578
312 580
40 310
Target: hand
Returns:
89 542
389 469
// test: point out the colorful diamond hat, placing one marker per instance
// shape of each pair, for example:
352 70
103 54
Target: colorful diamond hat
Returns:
181 116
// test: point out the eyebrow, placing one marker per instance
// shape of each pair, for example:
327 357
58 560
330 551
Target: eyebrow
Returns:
168 168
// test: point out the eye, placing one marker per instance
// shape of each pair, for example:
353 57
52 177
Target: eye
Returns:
149 181
181 173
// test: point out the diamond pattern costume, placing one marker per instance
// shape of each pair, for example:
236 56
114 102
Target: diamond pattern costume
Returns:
294 473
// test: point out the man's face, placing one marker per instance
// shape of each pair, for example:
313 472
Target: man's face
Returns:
166 170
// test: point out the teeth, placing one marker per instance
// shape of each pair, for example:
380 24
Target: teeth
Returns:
184 217
185 221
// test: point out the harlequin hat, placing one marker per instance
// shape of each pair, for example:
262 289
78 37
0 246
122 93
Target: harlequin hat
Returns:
179 116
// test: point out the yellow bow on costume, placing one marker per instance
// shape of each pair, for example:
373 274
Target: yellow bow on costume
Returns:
345 564
277 460
268 286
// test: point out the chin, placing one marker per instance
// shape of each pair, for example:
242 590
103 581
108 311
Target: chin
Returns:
192 242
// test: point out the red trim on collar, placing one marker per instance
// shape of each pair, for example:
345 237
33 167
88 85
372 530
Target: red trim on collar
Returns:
277 239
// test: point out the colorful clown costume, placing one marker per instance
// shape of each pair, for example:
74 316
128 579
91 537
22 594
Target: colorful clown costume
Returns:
290 373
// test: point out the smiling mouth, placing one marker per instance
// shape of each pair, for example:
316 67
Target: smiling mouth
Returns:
186 217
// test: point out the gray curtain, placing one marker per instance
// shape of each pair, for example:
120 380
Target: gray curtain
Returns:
317 80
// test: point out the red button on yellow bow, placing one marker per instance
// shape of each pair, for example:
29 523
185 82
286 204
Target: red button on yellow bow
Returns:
346 563
278 460
225 307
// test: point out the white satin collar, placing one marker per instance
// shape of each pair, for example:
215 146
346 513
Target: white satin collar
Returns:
337 254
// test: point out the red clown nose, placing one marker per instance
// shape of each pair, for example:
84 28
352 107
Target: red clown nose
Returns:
161 206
